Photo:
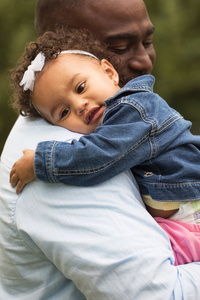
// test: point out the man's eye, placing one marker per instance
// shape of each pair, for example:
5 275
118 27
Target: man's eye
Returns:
148 43
65 112
81 88
119 50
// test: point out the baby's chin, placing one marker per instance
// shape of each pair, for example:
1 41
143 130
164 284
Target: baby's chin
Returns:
86 128
84 131
89 129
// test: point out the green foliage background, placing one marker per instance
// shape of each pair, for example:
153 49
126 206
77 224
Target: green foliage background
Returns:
177 43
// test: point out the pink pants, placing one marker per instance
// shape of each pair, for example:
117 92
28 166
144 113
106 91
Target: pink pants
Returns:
184 238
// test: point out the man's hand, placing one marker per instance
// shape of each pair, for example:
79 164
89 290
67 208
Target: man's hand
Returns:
23 170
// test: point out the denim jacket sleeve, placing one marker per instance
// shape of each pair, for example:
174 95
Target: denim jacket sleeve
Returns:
135 128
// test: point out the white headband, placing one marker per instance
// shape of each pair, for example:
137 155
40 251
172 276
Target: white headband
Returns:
37 65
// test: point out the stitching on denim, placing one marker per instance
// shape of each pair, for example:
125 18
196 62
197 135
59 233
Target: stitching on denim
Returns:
139 88
144 117
153 145
168 122
95 170
181 184
51 162
137 106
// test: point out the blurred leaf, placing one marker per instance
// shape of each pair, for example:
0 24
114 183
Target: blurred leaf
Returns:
16 30
177 43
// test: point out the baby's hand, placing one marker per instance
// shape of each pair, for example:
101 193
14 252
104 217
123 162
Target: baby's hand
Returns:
23 171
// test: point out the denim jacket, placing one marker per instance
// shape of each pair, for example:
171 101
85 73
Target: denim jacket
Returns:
139 131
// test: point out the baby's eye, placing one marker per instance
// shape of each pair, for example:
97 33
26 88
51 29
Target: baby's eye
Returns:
65 112
81 88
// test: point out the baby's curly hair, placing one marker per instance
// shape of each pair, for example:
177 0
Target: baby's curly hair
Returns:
50 44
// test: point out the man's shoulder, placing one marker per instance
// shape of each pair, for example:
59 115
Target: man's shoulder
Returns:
27 133
32 131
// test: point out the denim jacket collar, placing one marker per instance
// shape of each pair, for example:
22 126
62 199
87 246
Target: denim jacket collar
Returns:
143 83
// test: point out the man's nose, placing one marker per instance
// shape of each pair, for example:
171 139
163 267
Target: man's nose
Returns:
141 61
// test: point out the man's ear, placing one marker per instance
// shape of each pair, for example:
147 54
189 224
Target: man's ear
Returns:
108 69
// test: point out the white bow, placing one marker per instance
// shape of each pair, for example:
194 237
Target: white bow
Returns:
37 65
29 76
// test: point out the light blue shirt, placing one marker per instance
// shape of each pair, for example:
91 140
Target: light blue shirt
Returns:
62 242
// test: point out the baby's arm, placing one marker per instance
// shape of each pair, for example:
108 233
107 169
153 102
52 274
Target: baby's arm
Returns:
23 170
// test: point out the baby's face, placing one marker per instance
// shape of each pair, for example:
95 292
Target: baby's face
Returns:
71 90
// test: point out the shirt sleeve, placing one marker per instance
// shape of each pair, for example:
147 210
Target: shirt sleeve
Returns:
103 240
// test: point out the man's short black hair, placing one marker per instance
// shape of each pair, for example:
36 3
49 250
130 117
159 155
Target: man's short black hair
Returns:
51 9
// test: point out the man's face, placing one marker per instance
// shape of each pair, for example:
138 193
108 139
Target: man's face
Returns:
124 26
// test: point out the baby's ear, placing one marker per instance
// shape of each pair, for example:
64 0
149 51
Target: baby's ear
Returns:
109 70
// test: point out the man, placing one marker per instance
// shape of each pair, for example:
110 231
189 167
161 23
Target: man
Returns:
64 242
123 25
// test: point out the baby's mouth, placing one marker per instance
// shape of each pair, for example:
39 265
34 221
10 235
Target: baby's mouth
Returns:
93 114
